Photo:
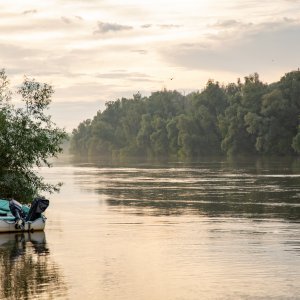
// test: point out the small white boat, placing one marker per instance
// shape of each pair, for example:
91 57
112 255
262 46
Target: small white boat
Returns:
15 217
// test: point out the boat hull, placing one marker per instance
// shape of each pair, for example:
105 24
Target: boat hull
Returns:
8 225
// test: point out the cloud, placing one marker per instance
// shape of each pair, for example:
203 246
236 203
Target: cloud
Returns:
30 11
146 26
20 60
11 52
66 20
104 27
140 51
260 47
169 26
225 24
131 76
42 26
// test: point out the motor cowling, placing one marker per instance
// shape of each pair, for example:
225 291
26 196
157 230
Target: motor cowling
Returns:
38 206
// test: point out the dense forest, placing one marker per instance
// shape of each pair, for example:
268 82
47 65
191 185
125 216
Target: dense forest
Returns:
249 117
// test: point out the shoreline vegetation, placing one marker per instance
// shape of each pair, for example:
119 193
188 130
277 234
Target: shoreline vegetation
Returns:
28 139
244 118
249 118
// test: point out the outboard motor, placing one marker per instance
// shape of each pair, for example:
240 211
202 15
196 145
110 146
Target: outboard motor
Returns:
38 206
16 209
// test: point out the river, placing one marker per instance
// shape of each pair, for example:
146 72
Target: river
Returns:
214 229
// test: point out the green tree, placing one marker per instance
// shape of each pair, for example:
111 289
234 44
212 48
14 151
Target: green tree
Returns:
244 105
143 136
272 126
274 122
81 138
172 132
159 138
241 118
28 138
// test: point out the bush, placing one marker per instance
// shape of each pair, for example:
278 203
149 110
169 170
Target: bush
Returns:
28 138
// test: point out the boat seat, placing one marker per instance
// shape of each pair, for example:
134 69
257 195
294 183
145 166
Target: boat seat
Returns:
7 218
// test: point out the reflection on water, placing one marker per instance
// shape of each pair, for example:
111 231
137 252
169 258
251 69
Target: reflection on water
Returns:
264 189
26 269
211 230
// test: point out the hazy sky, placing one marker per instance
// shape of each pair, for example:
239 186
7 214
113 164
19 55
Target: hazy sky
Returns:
96 51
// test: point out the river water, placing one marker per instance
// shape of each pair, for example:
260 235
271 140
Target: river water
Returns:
215 229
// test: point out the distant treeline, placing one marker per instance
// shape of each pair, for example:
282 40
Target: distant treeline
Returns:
249 117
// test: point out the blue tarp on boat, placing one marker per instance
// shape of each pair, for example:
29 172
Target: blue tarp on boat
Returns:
5 211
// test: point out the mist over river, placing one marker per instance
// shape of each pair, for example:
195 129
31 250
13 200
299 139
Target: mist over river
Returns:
213 229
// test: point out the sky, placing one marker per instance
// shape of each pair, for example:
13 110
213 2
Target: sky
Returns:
101 50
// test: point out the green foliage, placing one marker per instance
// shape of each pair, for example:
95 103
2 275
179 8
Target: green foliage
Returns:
28 138
241 118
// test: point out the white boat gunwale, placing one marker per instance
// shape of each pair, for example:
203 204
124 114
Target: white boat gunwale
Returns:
9 225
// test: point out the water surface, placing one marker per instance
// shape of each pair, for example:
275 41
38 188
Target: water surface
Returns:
208 230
